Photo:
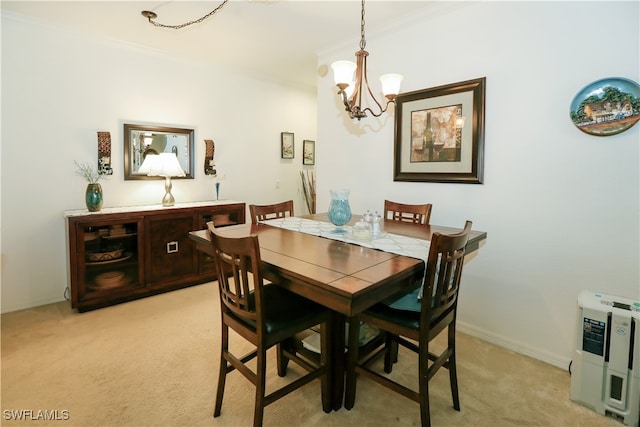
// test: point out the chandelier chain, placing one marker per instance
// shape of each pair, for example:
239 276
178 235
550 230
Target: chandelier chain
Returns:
186 24
363 42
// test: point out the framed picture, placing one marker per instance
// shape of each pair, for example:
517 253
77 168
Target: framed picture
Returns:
308 152
439 134
286 145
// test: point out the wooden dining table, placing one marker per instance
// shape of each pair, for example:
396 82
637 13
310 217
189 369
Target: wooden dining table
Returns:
345 277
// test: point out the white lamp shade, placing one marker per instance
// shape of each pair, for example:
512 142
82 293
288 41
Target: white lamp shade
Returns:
163 164
343 72
391 83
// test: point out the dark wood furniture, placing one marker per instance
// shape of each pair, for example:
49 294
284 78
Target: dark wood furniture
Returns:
416 329
265 315
264 212
401 212
121 254
343 277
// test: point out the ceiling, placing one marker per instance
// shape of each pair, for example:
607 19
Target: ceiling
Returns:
278 39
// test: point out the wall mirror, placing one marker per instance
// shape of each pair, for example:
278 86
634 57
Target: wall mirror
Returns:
141 140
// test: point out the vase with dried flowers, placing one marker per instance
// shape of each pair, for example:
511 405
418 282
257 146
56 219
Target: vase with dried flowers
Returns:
93 195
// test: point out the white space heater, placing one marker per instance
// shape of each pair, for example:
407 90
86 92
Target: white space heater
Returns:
605 373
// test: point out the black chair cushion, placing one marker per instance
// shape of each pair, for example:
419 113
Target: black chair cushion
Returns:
405 318
284 308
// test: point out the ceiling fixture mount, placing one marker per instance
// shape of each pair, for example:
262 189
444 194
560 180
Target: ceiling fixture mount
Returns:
352 90
152 15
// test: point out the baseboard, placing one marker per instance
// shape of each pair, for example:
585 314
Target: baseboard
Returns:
26 306
552 359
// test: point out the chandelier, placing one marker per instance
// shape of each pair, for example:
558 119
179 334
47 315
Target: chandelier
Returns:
352 90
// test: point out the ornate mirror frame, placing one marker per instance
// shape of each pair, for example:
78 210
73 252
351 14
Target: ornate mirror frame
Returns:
140 140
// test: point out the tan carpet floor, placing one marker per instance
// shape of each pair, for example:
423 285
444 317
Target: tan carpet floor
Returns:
153 362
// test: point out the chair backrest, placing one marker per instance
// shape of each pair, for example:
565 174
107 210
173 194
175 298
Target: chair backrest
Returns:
444 271
241 286
265 212
400 212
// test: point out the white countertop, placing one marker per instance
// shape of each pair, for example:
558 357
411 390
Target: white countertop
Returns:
155 207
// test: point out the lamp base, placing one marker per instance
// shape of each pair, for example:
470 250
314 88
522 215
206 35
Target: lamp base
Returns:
168 199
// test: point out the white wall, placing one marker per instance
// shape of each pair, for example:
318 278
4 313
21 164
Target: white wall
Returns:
561 208
59 88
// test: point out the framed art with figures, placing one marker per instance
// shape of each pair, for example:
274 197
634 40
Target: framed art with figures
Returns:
308 152
286 145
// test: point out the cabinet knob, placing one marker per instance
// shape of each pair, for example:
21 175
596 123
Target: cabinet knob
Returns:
172 247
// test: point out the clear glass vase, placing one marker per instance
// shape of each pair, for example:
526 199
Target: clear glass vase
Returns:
339 209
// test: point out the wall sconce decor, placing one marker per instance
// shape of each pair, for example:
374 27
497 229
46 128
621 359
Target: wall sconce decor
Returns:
209 164
104 153
166 165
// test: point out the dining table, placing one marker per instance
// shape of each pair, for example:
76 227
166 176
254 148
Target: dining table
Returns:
344 276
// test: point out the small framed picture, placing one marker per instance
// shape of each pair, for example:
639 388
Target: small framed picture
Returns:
286 145
308 152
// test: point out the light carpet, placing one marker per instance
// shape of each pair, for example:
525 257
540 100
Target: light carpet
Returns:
154 362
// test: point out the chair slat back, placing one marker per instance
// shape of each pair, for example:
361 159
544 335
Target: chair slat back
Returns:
401 212
241 284
444 272
265 212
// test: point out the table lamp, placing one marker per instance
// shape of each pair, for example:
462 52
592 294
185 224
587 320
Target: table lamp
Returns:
163 164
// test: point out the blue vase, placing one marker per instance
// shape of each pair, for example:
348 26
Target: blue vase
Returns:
93 197
339 209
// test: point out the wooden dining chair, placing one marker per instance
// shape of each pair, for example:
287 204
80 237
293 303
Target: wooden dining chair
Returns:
400 212
265 212
416 329
264 314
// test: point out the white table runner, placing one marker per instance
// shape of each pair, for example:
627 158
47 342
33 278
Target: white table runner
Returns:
393 243
387 242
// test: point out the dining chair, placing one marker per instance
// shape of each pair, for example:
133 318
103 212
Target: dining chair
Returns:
265 314
401 212
265 212
415 330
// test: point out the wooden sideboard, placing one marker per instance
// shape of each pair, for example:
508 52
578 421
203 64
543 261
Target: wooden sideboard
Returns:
121 254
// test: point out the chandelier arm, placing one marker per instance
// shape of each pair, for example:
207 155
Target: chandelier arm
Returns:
345 100
151 16
382 111
366 81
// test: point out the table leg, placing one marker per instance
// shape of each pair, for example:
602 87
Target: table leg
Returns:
338 360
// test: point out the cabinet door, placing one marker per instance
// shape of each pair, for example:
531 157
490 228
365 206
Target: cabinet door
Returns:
105 262
221 216
170 254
